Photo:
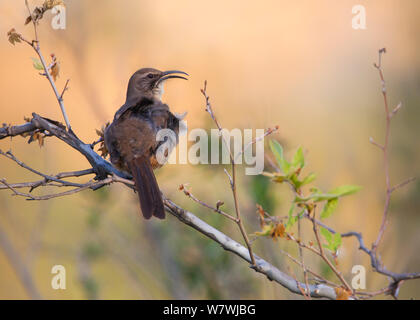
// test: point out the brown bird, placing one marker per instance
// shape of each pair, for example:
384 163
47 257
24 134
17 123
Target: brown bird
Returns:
131 137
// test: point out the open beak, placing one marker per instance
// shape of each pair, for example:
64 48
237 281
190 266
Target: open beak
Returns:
170 75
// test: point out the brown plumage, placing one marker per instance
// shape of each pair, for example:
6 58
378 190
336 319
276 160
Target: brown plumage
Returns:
131 137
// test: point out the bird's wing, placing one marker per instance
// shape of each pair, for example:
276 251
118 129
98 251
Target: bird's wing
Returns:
122 110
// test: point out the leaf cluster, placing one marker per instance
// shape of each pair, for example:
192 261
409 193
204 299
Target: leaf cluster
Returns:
291 173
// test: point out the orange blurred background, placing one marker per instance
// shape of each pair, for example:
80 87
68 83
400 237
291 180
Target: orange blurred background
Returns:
296 64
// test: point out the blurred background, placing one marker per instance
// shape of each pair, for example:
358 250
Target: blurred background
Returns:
296 64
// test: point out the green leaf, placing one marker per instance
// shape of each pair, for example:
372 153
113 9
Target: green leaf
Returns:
277 150
327 234
336 242
315 190
295 181
292 219
317 197
279 178
335 193
265 231
37 64
329 208
298 159
308 179
345 190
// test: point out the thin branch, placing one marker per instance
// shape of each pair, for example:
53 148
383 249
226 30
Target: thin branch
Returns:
9 155
268 132
89 185
376 144
305 273
217 210
385 153
302 290
45 182
324 257
232 178
51 80
35 45
65 89
317 276
402 184
33 22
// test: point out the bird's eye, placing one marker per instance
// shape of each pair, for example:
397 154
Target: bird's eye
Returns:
150 75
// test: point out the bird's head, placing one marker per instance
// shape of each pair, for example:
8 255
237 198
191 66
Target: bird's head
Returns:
147 83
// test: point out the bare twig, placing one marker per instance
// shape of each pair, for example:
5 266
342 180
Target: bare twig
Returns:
402 184
217 210
305 273
232 178
319 278
33 21
302 290
45 182
268 132
9 155
385 152
64 89
324 257
89 185
36 46
376 144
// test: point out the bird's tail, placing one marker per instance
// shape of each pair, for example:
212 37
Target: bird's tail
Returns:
151 203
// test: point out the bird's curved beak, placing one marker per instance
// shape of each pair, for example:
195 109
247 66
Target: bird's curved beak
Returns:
170 75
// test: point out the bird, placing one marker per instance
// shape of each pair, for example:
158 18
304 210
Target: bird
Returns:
131 137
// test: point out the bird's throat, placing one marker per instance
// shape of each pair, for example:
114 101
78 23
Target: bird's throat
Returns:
158 91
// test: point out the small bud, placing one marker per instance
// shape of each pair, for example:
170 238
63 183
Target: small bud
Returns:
398 107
